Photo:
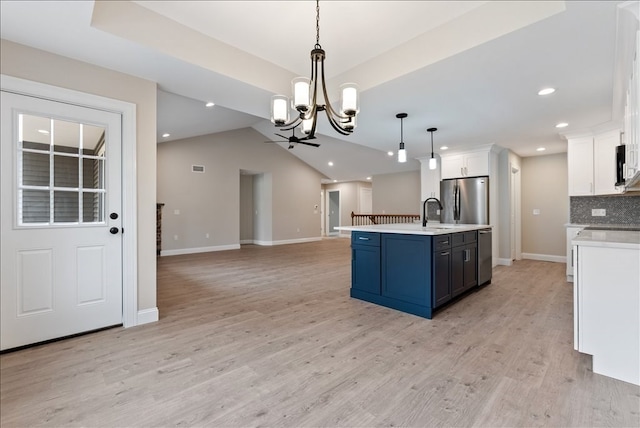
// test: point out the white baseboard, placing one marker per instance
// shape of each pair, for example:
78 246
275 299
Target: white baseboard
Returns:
287 241
504 262
198 250
545 257
246 241
146 316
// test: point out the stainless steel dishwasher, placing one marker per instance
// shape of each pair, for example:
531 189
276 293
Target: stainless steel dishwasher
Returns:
484 256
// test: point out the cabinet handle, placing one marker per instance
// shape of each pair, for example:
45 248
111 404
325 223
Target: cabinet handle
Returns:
446 253
363 238
461 170
467 255
444 242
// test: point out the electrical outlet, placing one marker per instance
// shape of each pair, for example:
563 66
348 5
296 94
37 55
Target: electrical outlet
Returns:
598 212
176 212
175 237
206 235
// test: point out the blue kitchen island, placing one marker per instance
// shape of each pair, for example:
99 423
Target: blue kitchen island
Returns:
415 269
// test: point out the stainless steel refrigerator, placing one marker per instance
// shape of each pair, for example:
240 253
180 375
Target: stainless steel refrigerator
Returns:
466 201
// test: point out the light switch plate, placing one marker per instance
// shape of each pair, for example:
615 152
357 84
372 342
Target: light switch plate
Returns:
598 212
536 211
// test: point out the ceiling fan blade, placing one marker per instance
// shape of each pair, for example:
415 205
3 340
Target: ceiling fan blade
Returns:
282 136
309 144
276 141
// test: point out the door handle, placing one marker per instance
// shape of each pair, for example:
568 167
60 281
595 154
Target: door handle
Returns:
114 230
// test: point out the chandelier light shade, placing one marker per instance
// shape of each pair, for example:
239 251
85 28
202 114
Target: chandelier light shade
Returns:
433 162
402 153
310 96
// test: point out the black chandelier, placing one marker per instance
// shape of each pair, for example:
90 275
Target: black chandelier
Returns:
308 103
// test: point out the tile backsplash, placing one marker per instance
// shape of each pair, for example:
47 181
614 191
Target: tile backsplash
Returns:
620 209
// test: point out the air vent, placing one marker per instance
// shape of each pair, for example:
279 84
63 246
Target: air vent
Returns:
197 168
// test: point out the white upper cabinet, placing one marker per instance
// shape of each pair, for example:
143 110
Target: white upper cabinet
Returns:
429 180
632 123
604 162
591 164
580 166
470 164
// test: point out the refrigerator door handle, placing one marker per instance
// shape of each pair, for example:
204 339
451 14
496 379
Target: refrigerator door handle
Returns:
456 202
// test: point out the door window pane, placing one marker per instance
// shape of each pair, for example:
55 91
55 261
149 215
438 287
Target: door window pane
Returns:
65 207
66 136
34 206
92 204
93 174
65 170
35 169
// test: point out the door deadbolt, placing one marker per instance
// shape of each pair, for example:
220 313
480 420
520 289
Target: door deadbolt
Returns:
113 216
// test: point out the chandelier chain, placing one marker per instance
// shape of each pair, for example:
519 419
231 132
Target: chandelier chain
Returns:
318 24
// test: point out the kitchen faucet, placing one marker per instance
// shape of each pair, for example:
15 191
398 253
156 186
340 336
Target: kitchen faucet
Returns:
424 209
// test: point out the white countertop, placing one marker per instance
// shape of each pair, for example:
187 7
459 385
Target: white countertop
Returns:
416 228
608 238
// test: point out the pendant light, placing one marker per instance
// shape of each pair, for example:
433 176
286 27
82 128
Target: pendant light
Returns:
433 162
402 153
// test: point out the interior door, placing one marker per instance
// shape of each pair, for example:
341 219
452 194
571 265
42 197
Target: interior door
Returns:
60 217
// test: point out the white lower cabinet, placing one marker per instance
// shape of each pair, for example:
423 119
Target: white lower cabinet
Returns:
607 309
572 232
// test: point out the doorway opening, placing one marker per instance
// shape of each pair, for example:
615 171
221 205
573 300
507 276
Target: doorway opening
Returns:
333 212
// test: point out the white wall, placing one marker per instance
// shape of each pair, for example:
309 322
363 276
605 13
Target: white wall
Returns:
284 193
44 67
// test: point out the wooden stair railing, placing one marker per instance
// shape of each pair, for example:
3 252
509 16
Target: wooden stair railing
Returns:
369 219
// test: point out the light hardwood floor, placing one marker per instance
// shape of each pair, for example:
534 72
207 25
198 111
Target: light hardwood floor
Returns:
268 336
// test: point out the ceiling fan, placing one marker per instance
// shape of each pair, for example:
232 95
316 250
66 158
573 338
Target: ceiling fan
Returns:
293 140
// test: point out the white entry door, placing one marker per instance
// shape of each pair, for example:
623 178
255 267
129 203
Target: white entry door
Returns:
60 215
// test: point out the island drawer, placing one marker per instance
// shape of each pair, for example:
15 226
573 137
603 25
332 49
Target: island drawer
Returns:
464 238
441 242
365 238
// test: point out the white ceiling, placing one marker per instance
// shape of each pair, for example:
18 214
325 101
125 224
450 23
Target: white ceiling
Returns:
471 69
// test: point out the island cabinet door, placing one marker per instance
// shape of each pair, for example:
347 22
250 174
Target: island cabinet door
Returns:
406 268
365 268
464 274
441 277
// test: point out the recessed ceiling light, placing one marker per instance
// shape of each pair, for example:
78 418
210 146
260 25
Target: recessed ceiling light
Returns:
165 135
210 104
562 125
368 178
335 181
43 131
546 91
330 163
390 153
444 147
540 149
